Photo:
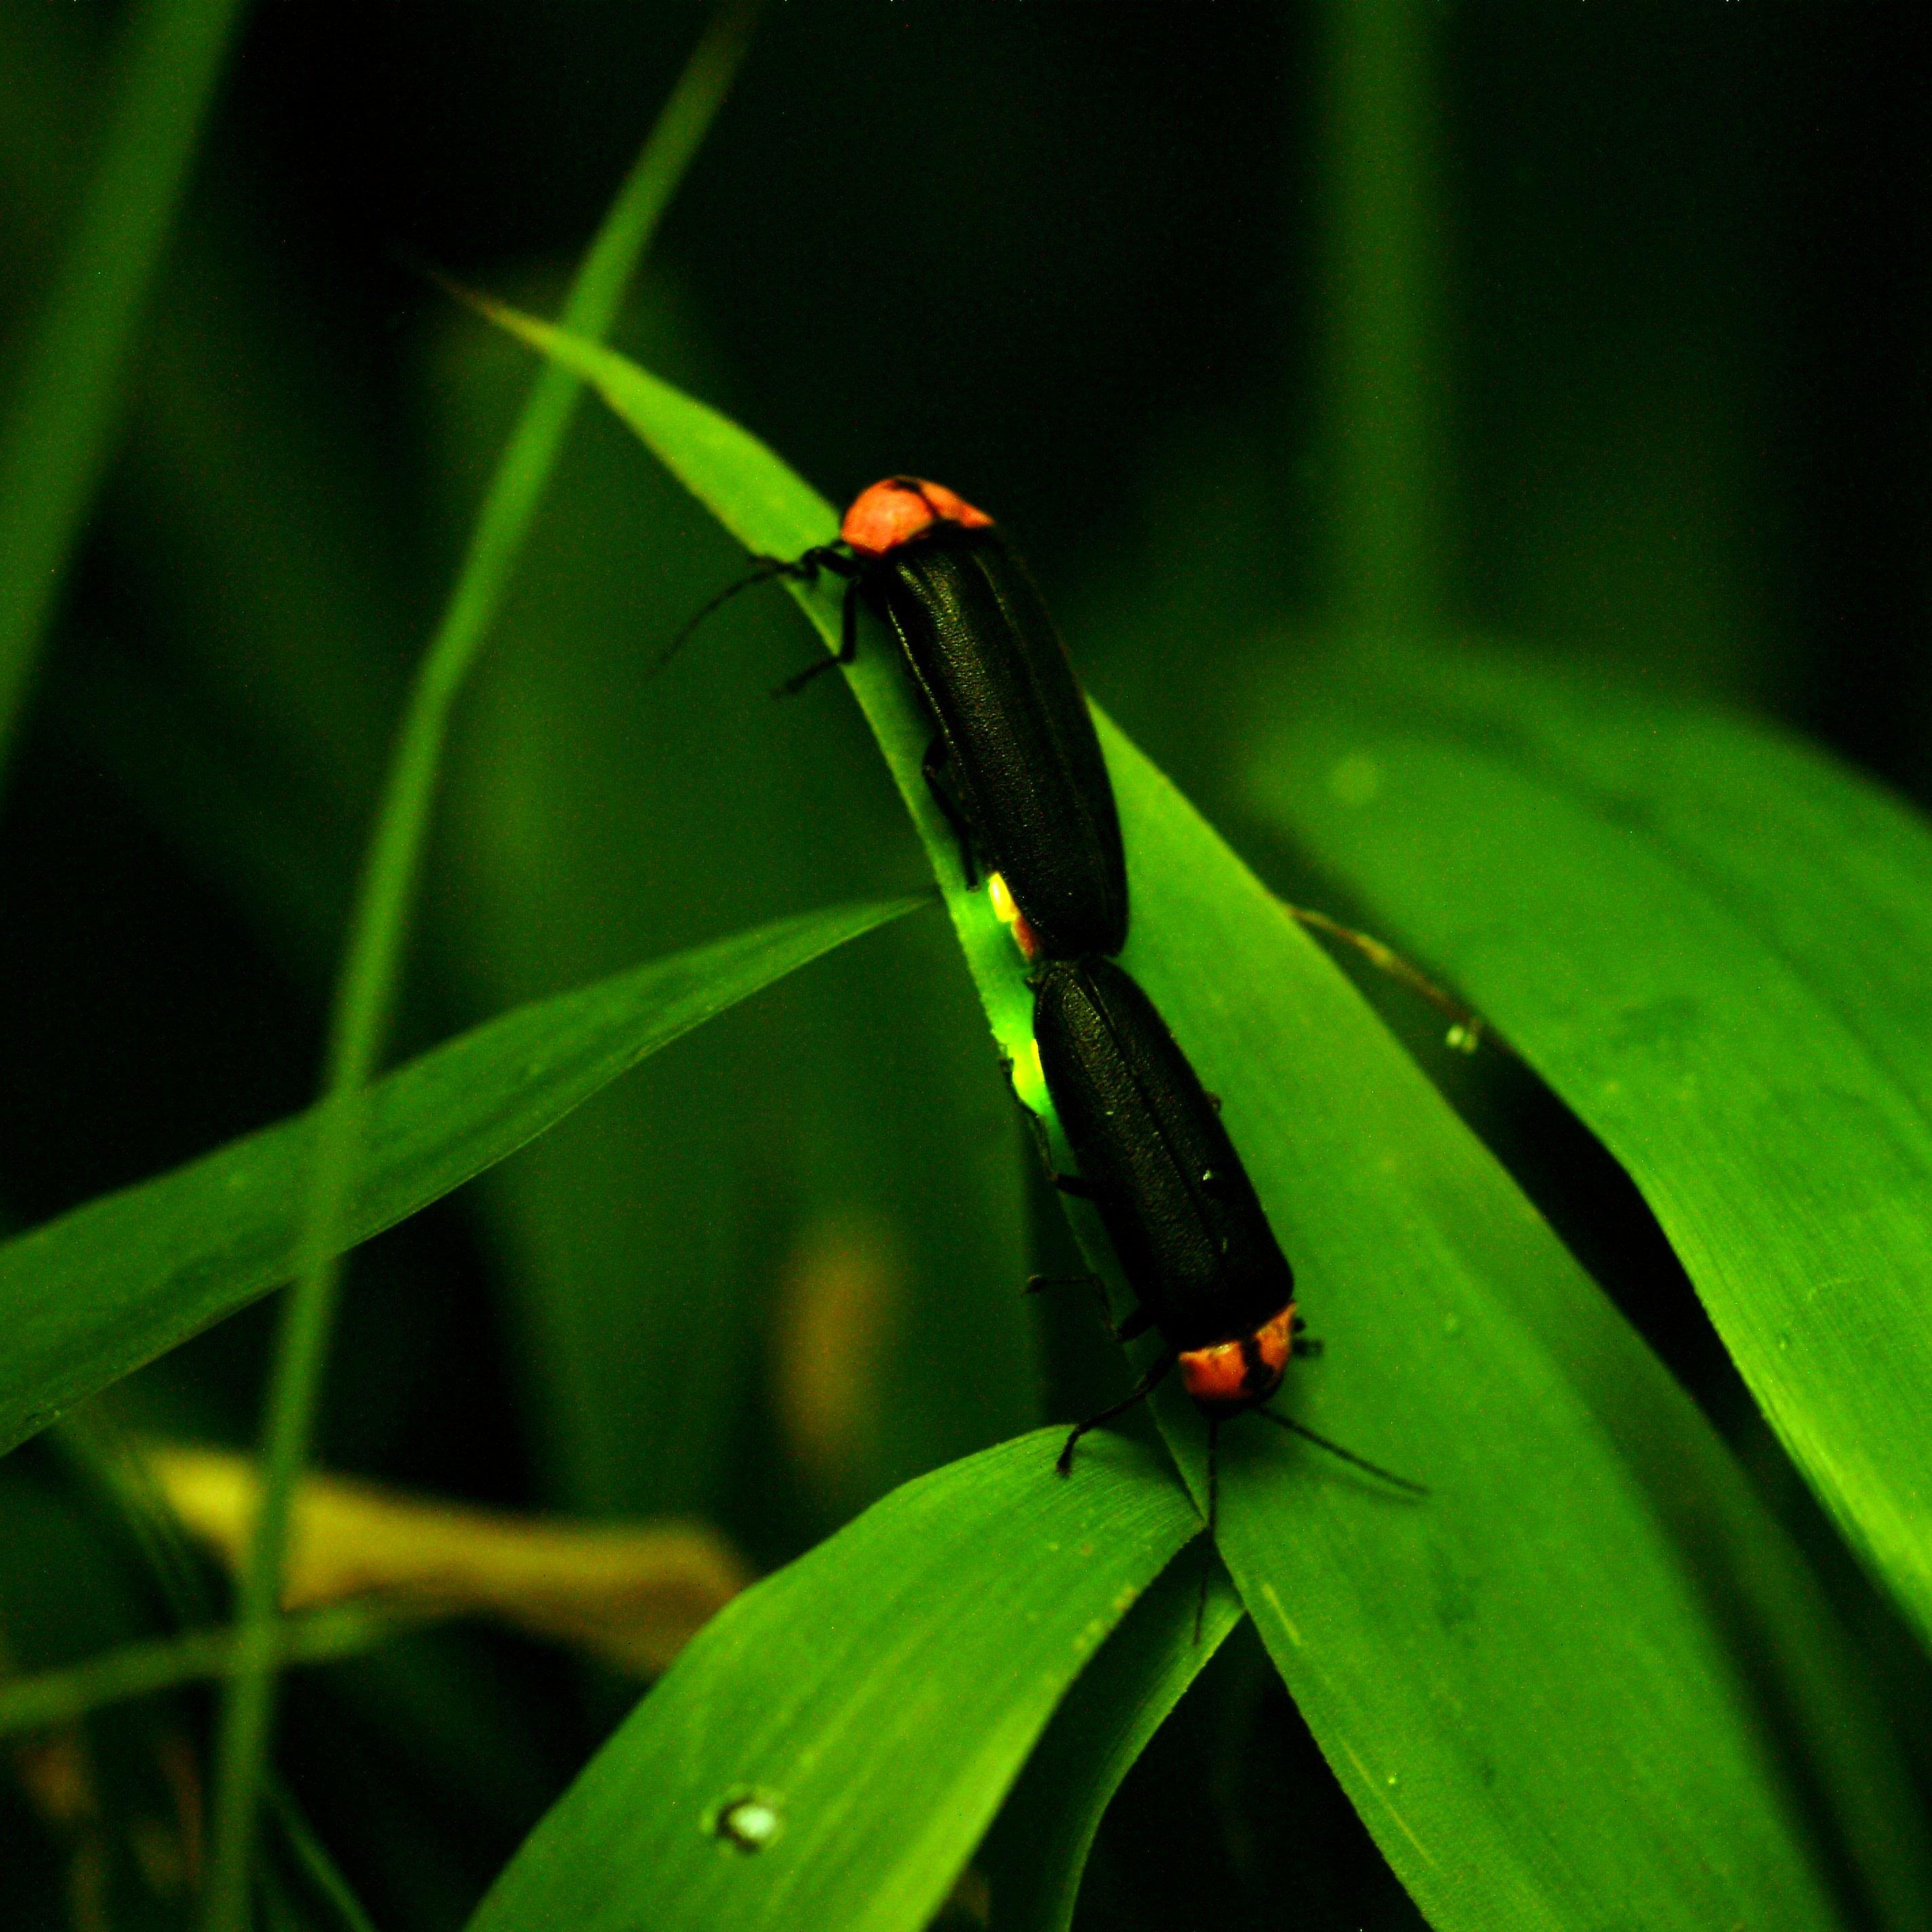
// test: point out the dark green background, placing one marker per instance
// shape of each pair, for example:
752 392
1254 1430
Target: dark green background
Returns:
1657 276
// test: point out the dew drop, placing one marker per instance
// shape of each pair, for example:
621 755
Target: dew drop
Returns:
747 1821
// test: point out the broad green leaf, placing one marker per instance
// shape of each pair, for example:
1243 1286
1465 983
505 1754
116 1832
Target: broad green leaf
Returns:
93 1295
1715 945
828 1750
1587 1681
1035 1854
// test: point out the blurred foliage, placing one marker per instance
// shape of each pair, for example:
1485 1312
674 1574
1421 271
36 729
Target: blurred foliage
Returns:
630 1595
1638 384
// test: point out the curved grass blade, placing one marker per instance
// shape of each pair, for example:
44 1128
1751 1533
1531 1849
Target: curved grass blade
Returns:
1590 1667
95 1295
310 1857
828 1750
1037 1849
1715 945
370 970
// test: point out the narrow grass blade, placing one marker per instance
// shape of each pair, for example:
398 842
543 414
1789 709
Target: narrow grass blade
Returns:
1715 945
97 1293
165 1663
111 1471
1588 1666
1035 1853
55 440
829 1750
310 1857
1378 222
372 958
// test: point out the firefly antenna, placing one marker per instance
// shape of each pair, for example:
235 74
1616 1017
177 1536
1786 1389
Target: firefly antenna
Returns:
768 568
1346 1455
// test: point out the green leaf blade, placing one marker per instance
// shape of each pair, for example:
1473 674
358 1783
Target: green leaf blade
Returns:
1544 1685
1035 1853
95 1295
1713 945
879 1695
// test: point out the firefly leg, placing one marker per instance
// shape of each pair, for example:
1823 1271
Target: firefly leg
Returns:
807 567
937 755
1142 1390
1139 1320
1035 1282
806 570
848 622
799 680
1072 1184
1067 1183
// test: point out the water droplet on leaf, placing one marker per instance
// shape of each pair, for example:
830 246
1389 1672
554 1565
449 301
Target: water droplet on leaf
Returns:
747 1821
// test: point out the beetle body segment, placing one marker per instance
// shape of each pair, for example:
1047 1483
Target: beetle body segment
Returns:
1016 745
1184 1219
1021 753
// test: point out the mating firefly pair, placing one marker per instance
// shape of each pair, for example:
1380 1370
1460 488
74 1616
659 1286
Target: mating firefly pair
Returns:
1016 766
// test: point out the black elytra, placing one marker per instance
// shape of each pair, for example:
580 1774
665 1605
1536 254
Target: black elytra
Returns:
1192 1238
1189 1230
1014 744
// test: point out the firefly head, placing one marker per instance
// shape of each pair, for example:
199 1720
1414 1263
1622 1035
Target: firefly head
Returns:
901 509
1225 1377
